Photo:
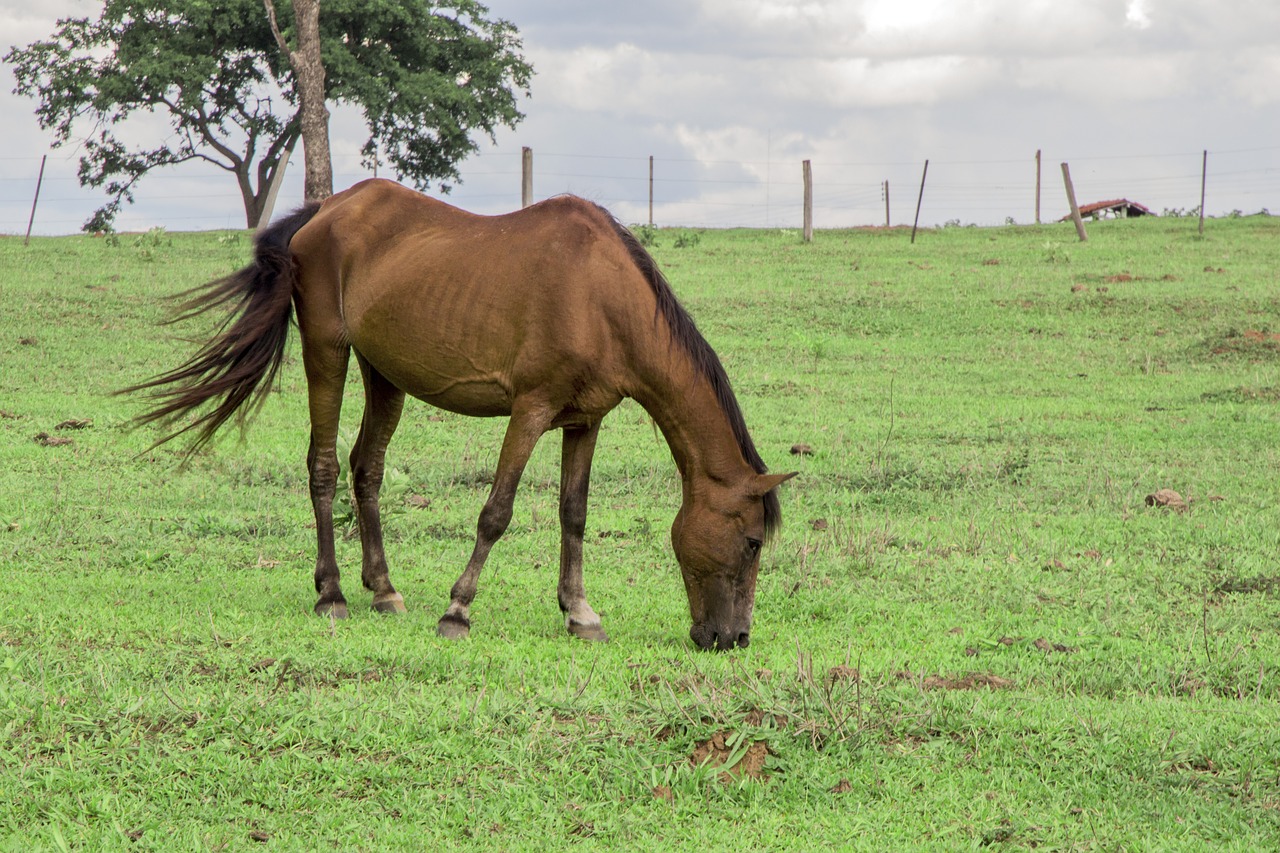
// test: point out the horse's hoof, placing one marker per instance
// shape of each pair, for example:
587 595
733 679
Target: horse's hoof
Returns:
334 609
588 632
453 628
392 603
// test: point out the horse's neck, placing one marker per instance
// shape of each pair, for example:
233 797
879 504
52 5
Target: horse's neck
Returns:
683 403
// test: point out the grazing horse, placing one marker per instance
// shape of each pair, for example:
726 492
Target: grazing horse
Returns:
549 316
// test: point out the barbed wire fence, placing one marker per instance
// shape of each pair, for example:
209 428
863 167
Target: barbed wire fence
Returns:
674 191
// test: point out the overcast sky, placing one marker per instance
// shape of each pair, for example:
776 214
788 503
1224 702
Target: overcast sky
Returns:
729 96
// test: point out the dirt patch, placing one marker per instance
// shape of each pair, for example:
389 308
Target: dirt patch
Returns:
1259 584
972 681
1239 394
75 423
843 673
739 759
1250 343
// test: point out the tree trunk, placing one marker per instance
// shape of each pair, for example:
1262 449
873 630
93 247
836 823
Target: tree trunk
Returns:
308 70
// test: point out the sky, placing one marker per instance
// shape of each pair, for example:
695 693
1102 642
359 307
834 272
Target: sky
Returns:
729 97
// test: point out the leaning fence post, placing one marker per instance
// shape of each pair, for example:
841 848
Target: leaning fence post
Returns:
526 176
808 202
40 180
919 201
1075 208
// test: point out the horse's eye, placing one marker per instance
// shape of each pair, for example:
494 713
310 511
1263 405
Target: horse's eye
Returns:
754 545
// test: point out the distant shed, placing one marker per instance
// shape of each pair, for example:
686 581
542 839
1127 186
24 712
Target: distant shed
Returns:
1118 208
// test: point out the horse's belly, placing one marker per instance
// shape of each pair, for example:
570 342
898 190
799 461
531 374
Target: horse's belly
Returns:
478 400
450 387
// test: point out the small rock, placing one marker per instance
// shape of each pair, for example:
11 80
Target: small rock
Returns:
1168 499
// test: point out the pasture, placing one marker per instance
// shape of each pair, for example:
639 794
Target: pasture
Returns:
972 631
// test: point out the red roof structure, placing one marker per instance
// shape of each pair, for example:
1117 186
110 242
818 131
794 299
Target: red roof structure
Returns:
1118 208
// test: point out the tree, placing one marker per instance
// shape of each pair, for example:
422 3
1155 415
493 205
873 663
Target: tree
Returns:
313 117
426 75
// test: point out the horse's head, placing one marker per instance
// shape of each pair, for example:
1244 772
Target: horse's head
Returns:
717 537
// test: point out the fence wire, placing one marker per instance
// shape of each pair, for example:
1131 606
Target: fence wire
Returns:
711 194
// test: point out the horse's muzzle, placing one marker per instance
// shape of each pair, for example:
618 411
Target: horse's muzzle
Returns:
707 637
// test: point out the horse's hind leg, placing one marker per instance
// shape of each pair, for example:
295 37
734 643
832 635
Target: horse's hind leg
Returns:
575 480
383 403
526 426
326 375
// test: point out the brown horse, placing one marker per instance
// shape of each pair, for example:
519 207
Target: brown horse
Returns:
549 316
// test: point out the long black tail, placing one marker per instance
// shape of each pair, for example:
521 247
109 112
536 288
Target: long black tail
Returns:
238 365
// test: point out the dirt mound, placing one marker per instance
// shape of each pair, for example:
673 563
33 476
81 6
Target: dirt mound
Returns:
737 757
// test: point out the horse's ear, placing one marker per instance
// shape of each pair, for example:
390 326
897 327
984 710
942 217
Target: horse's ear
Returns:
765 483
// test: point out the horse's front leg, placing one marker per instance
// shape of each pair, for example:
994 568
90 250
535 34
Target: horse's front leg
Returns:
575 482
526 426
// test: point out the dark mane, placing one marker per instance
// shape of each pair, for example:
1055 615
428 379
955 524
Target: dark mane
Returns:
686 335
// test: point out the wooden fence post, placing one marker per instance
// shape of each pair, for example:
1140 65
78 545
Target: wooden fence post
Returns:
650 190
39 180
808 201
886 204
1204 174
526 176
919 201
1037 186
1075 208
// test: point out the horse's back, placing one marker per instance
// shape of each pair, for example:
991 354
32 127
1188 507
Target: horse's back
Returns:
466 311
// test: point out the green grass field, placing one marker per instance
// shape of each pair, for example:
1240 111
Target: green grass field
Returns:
972 632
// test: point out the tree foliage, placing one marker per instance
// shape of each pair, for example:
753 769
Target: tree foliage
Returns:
427 77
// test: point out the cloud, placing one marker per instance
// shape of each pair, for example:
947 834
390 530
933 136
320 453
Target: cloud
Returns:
1138 15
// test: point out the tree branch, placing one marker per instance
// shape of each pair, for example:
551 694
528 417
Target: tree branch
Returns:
275 28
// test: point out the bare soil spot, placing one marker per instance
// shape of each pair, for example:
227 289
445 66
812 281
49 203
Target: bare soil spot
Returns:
841 787
75 423
1239 394
1251 343
972 681
716 752
1045 646
843 673
45 440
1261 583
801 449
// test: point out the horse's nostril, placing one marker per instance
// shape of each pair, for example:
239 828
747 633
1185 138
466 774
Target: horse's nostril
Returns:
744 640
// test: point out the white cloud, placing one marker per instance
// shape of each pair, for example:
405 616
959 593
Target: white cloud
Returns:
1138 15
